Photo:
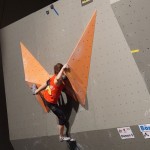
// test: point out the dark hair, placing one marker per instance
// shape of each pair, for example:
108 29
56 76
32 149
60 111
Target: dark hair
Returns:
57 68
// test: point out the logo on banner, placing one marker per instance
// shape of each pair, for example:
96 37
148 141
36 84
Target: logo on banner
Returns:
145 129
125 133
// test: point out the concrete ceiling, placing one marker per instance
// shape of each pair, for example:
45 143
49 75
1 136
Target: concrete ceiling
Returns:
11 11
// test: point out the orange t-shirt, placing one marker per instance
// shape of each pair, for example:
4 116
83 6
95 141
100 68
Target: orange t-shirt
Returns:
52 91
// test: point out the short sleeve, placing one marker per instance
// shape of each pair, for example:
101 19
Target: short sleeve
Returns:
48 82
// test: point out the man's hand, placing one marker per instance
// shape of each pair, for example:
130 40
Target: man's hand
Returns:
66 67
34 88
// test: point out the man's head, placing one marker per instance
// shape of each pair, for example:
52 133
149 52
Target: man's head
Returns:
57 68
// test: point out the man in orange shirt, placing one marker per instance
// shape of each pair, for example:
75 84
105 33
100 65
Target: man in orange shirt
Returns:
52 91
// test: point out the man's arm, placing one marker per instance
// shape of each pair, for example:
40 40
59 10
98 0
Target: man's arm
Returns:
42 87
59 76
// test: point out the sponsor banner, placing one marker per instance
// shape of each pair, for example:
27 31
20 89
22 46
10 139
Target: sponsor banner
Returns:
145 129
84 2
125 133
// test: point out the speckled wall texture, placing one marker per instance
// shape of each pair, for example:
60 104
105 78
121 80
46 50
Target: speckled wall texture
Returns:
117 95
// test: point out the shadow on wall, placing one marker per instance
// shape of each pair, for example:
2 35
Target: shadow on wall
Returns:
70 105
68 108
4 131
68 102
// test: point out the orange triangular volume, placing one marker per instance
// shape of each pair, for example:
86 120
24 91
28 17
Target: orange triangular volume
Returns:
40 98
34 73
79 62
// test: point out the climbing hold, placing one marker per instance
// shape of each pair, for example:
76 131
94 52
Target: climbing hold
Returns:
52 7
135 51
47 12
84 2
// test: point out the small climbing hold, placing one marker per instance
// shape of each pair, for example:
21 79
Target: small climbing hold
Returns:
52 7
47 12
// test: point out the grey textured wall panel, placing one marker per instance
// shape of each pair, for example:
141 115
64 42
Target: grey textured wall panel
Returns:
117 95
134 20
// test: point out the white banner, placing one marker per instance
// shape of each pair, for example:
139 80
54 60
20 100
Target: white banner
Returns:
145 129
125 133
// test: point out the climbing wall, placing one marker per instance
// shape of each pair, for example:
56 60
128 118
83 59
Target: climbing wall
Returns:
79 61
31 72
136 31
116 94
